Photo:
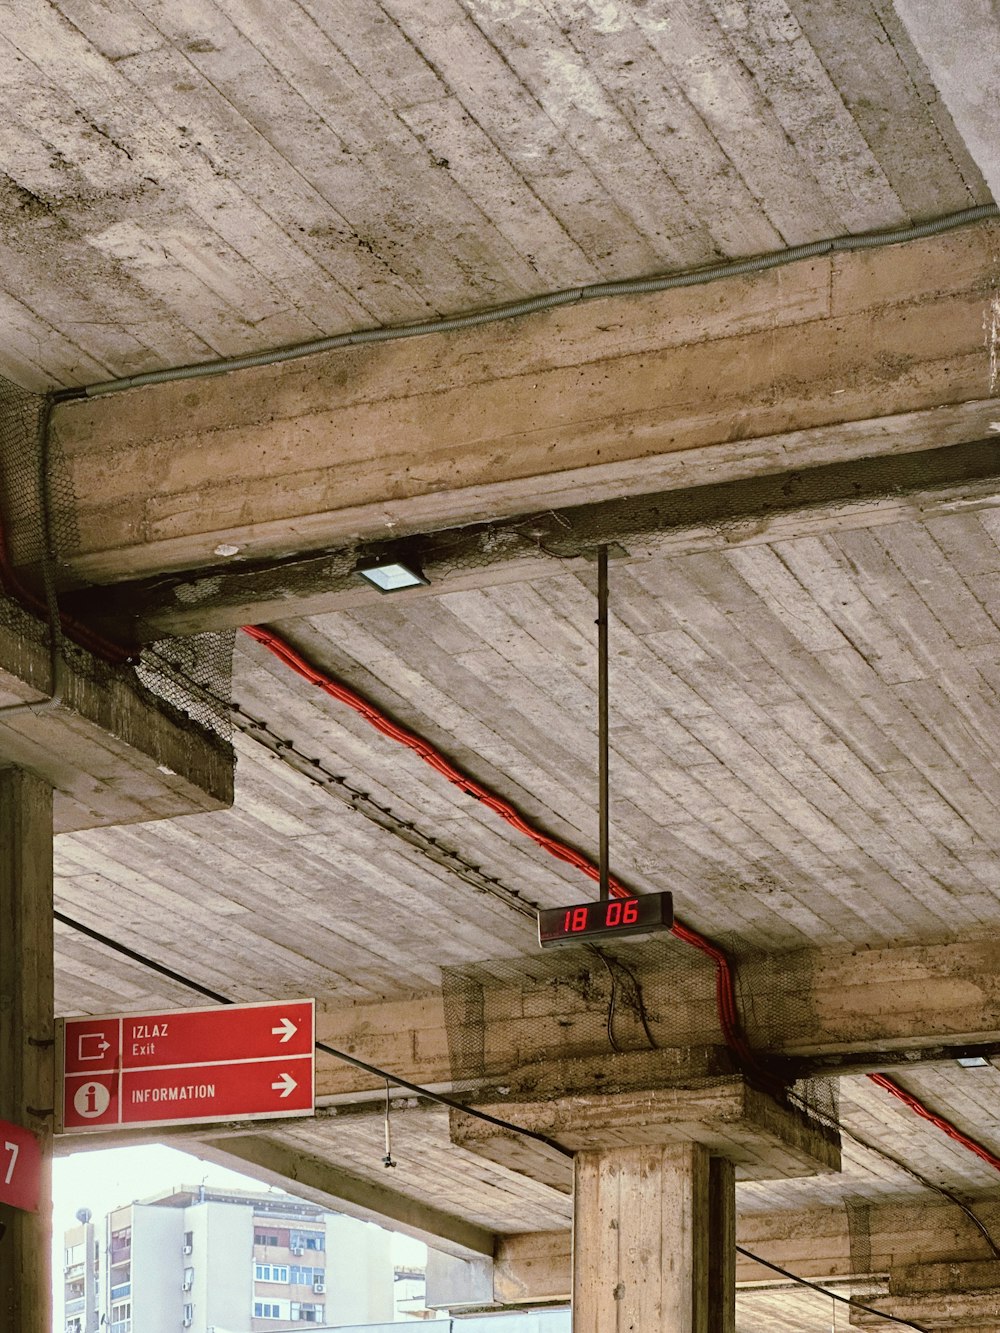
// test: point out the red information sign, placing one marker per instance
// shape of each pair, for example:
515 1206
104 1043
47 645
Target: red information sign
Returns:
20 1167
238 1062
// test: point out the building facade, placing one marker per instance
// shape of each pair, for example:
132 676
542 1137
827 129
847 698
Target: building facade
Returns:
81 1276
213 1261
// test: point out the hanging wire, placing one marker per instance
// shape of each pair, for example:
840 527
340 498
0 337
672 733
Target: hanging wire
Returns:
387 1159
612 1002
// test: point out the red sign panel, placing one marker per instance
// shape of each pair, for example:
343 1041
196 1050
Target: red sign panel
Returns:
239 1062
20 1167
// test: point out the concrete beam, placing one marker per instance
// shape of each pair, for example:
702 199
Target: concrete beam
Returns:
761 1138
453 1283
860 493
112 752
814 1243
544 1041
308 1176
953 1296
623 396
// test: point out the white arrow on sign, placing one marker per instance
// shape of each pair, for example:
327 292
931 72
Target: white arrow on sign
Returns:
285 1085
286 1029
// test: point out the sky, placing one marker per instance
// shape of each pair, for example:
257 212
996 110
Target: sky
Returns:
102 1179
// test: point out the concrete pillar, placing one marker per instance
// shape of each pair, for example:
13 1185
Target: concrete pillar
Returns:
653 1241
27 1067
721 1246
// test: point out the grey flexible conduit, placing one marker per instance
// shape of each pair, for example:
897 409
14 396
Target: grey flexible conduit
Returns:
570 296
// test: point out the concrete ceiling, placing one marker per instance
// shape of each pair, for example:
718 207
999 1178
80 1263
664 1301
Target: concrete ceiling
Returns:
180 182
803 728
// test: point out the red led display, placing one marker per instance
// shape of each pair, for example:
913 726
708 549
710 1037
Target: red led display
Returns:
615 917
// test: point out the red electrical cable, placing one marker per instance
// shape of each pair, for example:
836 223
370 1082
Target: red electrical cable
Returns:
724 983
945 1126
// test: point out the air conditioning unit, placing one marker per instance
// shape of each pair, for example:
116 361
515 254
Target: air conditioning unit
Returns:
186 1323
319 1288
186 1286
297 1249
187 1249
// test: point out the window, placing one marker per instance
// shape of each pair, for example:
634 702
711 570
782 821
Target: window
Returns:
271 1310
121 1317
264 1238
121 1245
189 1312
308 1240
188 1279
308 1314
305 1277
270 1272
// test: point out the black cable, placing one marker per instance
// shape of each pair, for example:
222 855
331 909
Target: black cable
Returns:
449 1102
363 1065
834 1124
611 1005
824 1291
141 959
639 1002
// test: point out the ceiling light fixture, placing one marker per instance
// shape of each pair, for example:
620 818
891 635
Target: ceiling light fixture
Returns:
390 573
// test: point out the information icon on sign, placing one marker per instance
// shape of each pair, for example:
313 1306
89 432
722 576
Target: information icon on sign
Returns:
91 1100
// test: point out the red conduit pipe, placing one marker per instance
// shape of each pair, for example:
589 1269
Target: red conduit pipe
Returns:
945 1126
724 983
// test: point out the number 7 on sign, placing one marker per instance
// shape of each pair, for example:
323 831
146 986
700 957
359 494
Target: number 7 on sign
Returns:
13 1149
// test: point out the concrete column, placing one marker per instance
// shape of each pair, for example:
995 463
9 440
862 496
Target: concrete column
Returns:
27 1067
653 1241
721 1246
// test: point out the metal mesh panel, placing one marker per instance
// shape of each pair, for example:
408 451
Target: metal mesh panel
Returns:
38 532
21 416
621 999
646 995
194 675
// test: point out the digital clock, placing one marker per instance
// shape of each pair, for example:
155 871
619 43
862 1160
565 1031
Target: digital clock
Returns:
607 917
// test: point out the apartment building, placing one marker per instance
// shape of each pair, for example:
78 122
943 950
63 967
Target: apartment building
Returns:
225 1261
81 1275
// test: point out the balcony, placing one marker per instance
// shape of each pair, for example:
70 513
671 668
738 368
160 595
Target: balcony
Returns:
121 1291
75 1306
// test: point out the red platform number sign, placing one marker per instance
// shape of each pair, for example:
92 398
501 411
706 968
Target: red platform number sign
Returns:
20 1167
